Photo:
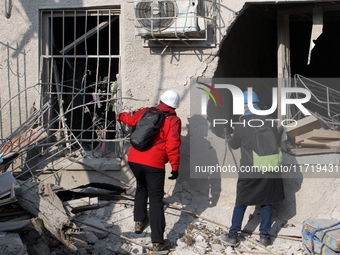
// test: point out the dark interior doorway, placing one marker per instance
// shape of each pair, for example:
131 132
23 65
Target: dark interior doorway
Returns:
250 50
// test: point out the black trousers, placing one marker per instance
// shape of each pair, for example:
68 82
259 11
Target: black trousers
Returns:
150 184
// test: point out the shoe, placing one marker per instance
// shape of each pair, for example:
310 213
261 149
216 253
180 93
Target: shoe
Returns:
229 240
161 246
265 241
141 225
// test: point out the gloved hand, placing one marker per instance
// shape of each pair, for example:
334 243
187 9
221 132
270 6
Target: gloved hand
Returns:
174 175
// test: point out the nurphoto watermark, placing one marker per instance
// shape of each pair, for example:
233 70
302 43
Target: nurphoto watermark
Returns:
216 107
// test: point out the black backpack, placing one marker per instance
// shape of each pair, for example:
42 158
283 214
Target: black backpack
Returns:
146 128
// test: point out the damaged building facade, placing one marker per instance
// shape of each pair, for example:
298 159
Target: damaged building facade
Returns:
68 66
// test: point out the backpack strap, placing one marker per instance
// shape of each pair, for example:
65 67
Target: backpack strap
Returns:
167 114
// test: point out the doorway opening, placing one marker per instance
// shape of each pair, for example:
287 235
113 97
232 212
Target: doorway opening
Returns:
270 41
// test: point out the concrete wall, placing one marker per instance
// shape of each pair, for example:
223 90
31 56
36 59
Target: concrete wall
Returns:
145 74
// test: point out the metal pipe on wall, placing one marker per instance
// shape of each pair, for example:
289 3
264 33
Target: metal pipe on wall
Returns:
8 8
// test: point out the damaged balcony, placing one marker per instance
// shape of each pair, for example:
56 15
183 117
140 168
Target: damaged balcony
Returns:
319 132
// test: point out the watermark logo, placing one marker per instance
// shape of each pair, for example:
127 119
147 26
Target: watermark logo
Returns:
204 98
238 99
208 92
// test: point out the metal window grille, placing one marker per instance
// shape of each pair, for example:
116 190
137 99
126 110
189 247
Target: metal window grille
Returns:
79 64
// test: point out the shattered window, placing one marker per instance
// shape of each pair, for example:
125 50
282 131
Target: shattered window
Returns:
80 58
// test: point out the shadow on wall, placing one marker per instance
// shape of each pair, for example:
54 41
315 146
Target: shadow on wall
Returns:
13 70
281 212
287 209
33 28
195 194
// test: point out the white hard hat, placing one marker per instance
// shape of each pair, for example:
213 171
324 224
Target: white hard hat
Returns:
170 98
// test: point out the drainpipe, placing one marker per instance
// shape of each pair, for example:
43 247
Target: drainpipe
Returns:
8 7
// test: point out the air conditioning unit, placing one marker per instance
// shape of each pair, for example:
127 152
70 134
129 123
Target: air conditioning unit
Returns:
169 18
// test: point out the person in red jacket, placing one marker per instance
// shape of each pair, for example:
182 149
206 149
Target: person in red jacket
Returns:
149 168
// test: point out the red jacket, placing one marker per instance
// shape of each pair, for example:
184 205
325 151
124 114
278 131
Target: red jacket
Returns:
170 132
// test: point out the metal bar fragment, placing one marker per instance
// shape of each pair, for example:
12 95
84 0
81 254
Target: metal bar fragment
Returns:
82 38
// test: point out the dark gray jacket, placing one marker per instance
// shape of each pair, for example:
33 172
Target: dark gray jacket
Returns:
254 188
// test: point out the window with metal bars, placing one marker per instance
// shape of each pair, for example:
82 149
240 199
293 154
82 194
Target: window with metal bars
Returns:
79 63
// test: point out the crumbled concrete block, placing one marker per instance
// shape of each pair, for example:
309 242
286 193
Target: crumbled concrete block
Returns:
186 251
33 236
202 245
188 240
11 244
82 251
136 249
91 238
88 238
124 249
108 225
217 247
230 251
101 213
41 249
199 238
102 250
99 233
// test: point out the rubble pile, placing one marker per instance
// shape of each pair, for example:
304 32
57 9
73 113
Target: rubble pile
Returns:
203 238
109 229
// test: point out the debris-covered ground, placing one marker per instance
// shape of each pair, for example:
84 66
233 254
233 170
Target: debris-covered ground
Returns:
101 231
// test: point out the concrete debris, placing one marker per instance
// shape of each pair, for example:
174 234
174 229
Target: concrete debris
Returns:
90 238
41 201
102 229
109 228
137 249
217 247
99 233
40 249
11 244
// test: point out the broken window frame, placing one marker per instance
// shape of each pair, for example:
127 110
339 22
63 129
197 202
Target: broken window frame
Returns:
53 80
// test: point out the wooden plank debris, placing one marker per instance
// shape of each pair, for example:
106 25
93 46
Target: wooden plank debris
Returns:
314 151
81 204
12 213
123 237
318 134
6 200
304 125
8 184
316 28
313 139
320 143
41 201
17 143
85 201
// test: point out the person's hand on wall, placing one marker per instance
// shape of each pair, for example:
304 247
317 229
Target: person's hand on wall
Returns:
174 175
